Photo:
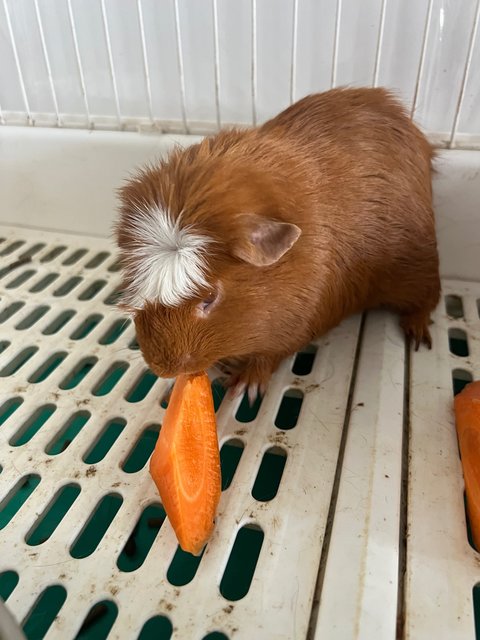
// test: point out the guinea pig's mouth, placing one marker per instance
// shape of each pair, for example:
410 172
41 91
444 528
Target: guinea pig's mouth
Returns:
173 373
183 366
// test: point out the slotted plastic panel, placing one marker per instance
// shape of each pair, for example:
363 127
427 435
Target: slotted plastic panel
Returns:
442 568
313 510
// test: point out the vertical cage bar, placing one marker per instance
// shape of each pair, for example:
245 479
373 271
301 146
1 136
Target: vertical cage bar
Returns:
46 59
146 67
254 63
293 67
2 118
17 62
181 72
216 53
111 64
421 65
378 52
336 37
73 30
466 73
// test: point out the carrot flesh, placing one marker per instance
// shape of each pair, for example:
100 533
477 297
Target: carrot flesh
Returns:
467 418
185 464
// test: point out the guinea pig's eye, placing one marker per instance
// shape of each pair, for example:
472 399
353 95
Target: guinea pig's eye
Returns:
207 302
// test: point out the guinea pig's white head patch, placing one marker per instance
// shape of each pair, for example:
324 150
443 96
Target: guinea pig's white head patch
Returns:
166 261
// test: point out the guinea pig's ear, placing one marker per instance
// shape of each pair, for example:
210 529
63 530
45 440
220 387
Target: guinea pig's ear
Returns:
263 241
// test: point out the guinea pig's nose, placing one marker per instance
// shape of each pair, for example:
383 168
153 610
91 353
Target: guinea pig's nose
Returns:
175 366
182 363
186 361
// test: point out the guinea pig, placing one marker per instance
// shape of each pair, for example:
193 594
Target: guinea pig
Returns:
243 248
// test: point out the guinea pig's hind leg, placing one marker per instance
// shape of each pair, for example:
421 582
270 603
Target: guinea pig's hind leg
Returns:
415 326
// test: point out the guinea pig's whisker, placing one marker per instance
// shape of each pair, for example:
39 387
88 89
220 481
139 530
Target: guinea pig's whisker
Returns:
133 356
218 369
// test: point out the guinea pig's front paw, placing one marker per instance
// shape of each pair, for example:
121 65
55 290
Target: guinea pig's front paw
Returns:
249 375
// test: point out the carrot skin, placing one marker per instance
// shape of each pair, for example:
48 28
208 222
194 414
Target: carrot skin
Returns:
467 419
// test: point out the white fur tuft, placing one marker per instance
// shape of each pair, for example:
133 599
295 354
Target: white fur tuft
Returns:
167 262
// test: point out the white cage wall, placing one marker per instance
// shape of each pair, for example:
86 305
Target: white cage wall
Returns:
191 67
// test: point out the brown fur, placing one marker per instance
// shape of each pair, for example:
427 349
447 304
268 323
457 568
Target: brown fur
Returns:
346 166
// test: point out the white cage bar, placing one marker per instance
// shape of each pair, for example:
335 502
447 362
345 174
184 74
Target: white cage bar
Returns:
461 129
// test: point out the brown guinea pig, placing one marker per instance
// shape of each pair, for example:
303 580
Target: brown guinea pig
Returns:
244 247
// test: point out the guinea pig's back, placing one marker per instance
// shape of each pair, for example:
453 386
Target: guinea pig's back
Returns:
357 132
373 191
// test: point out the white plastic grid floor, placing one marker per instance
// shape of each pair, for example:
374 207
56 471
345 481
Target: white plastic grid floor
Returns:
76 400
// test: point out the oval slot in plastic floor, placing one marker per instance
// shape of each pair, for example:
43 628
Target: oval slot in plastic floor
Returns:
33 317
303 363
115 331
476 609
32 250
20 279
10 248
458 342
183 568
460 378
142 538
113 297
92 290
74 257
245 412
454 306
44 612
98 621
133 345
97 260
467 523
141 387
269 474
218 392
59 322
53 253
78 373
105 441
32 425
230 455
289 410
96 527
9 407
49 520
17 362
115 266
158 628
142 449
48 367
8 582
10 310
110 379
66 287
68 432
86 327
4 344
43 282
238 574
17 497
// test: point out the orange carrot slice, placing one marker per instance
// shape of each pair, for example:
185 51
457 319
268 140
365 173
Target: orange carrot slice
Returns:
185 464
467 417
